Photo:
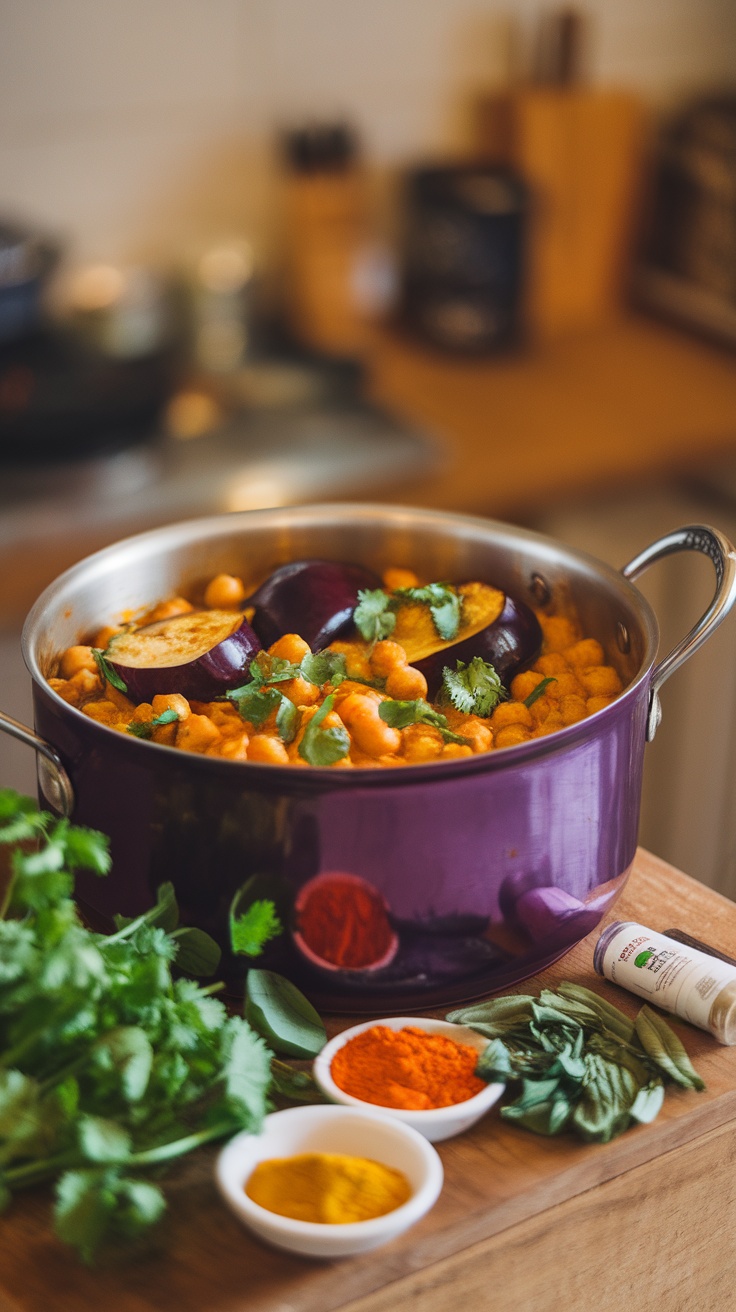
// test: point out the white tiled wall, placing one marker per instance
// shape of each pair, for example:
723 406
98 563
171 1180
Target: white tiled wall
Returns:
144 126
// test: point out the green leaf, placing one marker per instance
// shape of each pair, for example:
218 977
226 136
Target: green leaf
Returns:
253 927
101 1140
647 1103
475 688
615 1021
661 1043
400 714
537 692
84 1205
279 1011
255 703
145 730
300 1086
107 672
609 1092
445 606
494 1063
323 667
247 1072
87 849
129 1052
320 746
196 952
288 719
373 616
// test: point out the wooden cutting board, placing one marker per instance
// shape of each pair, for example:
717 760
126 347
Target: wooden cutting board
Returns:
523 1223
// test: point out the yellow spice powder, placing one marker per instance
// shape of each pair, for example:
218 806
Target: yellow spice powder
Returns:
330 1188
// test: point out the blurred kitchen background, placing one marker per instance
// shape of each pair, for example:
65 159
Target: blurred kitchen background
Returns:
466 254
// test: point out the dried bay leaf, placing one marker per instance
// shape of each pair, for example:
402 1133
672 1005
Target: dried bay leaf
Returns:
665 1049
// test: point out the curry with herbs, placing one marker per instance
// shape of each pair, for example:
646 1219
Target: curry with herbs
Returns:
412 673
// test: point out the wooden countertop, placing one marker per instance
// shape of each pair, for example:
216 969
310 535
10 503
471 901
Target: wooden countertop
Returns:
559 419
523 1222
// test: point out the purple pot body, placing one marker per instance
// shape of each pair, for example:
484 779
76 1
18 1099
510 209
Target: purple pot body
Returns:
491 867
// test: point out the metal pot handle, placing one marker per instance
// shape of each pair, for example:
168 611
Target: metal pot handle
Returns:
53 779
693 537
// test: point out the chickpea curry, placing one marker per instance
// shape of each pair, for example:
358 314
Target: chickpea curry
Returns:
383 671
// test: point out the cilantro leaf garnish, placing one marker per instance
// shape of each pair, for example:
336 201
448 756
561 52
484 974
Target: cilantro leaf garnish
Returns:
251 929
324 746
272 669
400 714
474 688
321 667
445 606
145 730
254 702
537 692
107 672
374 617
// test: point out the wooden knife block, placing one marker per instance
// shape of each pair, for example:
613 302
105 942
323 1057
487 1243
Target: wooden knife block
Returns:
580 152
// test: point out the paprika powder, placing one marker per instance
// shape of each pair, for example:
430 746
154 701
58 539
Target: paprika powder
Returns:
411 1068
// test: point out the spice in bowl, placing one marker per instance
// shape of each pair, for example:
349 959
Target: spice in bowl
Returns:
410 1069
329 1188
342 923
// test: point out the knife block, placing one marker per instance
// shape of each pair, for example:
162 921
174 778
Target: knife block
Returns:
580 153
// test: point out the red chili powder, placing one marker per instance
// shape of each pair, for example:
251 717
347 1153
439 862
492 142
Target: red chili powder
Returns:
343 922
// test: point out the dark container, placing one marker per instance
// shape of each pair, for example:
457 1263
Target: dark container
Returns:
463 257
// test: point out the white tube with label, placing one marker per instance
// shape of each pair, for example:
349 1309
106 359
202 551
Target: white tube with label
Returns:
682 980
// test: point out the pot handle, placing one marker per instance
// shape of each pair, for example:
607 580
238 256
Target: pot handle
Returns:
693 537
53 779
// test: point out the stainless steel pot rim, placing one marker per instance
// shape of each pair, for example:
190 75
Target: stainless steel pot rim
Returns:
348 514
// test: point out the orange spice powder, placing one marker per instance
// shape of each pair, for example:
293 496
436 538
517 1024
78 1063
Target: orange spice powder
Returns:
409 1068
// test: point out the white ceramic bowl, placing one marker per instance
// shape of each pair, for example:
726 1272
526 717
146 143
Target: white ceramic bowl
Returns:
356 1132
435 1123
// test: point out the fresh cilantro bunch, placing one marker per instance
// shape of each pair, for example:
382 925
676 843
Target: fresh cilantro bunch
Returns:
109 1066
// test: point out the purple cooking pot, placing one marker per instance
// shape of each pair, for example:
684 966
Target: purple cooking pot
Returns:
489 867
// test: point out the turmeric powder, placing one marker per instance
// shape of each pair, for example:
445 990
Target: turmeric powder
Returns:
330 1188
409 1068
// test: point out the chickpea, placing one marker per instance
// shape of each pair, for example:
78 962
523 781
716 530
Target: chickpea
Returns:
523 685
67 691
360 715
103 712
594 704
564 685
511 735
173 701
104 637
267 750
586 652
507 713
290 647
356 659
399 578
478 732
167 610
123 703
231 749
421 742
165 734
196 733
300 691
387 656
552 664
451 751
76 659
87 684
550 724
143 714
559 632
406 683
541 708
600 681
224 592
573 709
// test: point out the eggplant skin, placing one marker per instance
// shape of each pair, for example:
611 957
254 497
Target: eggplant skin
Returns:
510 642
210 674
314 598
